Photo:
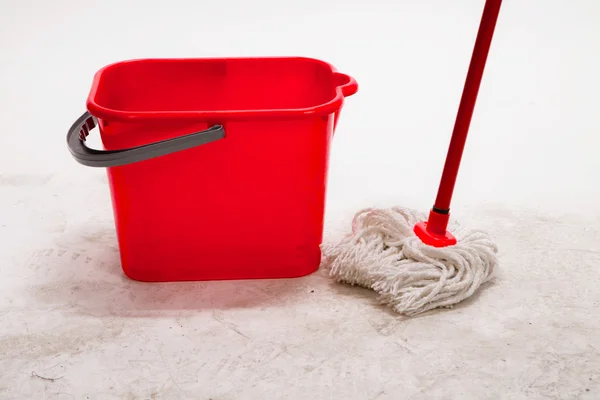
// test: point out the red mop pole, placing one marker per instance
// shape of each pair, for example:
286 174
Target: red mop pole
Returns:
434 231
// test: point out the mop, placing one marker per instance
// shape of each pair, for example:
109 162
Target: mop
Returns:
409 258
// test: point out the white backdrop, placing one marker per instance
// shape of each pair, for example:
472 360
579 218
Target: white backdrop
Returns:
534 135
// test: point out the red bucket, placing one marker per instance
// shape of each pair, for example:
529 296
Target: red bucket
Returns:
217 167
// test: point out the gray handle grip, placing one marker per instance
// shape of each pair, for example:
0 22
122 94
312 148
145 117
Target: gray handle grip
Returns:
112 158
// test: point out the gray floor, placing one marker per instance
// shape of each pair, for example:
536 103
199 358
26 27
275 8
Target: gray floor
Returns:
69 314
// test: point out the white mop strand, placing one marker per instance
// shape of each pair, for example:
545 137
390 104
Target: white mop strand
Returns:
383 253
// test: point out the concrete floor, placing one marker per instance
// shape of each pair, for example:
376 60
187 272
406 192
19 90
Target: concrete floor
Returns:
73 327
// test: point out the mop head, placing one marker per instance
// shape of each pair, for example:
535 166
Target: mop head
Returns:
383 254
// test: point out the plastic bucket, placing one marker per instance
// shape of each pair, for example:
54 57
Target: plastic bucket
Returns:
217 167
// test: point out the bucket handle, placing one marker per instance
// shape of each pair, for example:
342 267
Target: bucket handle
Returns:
113 158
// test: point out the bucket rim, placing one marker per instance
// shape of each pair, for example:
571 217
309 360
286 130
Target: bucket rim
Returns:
345 87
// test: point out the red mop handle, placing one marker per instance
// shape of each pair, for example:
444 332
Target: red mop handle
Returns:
467 104
434 231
